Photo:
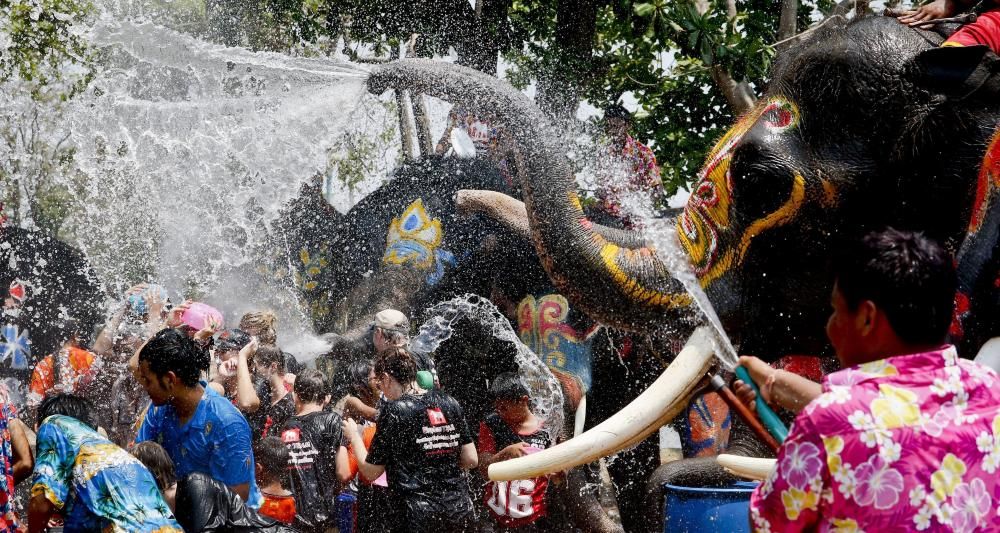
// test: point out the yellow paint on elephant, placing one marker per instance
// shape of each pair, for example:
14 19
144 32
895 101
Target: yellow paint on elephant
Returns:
574 200
779 217
413 238
829 193
895 408
611 254
704 227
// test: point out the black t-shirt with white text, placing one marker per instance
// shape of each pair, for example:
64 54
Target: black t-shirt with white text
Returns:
419 439
313 441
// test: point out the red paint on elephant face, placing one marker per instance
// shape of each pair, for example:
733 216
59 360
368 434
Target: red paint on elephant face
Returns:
987 184
706 218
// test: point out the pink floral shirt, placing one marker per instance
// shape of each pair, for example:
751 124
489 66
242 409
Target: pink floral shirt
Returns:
908 443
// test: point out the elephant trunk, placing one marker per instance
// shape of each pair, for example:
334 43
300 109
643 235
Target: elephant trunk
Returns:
624 286
656 406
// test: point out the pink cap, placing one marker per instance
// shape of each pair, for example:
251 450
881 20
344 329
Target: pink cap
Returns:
197 315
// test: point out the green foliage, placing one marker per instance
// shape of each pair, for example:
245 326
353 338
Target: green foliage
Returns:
38 41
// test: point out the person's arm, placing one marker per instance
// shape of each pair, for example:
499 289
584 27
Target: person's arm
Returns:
344 473
467 460
106 339
354 406
23 462
933 10
368 470
246 396
39 512
777 387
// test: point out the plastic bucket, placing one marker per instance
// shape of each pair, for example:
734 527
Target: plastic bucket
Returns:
707 508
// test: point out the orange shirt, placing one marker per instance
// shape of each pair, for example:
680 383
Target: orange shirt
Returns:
280 508
367 434
81 371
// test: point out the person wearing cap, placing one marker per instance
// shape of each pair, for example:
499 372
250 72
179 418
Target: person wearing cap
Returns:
641 172
390 330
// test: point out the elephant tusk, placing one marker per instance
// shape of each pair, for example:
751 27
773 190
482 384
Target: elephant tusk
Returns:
755 468
656 406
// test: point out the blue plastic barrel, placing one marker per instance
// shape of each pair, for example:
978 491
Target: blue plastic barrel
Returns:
346 511
707 508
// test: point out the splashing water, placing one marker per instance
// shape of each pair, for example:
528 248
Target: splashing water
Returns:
600 170
546 392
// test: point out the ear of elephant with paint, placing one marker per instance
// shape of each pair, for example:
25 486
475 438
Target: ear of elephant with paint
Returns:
956 71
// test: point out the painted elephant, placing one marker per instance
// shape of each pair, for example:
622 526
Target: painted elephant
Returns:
863 125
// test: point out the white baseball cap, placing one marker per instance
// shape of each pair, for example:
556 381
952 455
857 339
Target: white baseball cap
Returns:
392 320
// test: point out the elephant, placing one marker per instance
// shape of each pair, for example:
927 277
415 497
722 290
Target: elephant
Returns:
863 125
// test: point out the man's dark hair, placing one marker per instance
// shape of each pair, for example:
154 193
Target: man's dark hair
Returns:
617 111
398 363
508 386
156 460
67 405
908 276
268 354
272 455
172 351
310 386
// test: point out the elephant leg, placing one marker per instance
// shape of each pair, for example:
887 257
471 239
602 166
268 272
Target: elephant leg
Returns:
629 470
577 498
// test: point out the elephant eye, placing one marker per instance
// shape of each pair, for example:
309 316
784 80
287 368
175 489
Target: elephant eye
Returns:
777 117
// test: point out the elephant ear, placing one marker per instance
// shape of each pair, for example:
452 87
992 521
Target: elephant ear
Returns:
957 71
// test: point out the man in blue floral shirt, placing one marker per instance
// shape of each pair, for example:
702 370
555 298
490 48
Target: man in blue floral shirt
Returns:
93 483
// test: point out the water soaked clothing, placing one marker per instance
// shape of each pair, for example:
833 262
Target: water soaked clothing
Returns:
905 443
418 439
95 484
280 508
519 502
75 370
216 441
277 414
313 441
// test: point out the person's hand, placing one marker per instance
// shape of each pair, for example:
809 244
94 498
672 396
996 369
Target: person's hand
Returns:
155 303
227 368
762 375
251 348
513 451
353 405
350 428
174 318
934 10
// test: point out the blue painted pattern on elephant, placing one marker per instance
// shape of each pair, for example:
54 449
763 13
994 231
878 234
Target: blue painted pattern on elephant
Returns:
15 346
544 325
706 432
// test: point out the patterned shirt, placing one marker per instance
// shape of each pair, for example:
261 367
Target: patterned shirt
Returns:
8 520
95 484
215 441
642 174
76 369
901 444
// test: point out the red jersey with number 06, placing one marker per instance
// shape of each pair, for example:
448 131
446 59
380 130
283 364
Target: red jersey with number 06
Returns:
522 501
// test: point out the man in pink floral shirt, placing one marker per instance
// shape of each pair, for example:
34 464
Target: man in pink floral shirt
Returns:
907 436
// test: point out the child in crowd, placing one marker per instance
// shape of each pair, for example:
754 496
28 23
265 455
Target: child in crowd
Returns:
156 460
510 432
272 467
313 437
278 406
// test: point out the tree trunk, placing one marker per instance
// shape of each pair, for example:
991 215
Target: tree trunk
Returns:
786 24
420 117
576 27
738 95
403 107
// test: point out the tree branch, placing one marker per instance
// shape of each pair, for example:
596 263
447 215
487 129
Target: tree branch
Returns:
738 95
786 24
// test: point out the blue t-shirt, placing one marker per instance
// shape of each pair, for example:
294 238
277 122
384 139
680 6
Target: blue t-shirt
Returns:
216 441
95 484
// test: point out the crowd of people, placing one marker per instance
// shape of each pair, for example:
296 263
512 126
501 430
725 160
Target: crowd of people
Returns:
167 421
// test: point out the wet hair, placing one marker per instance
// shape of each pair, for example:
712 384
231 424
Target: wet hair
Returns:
398 363
272 455
908 276
508 387
156 460
357 376
264 322
172 351
67 405
267 354
310 386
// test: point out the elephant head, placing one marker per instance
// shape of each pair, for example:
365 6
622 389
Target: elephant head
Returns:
849 136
